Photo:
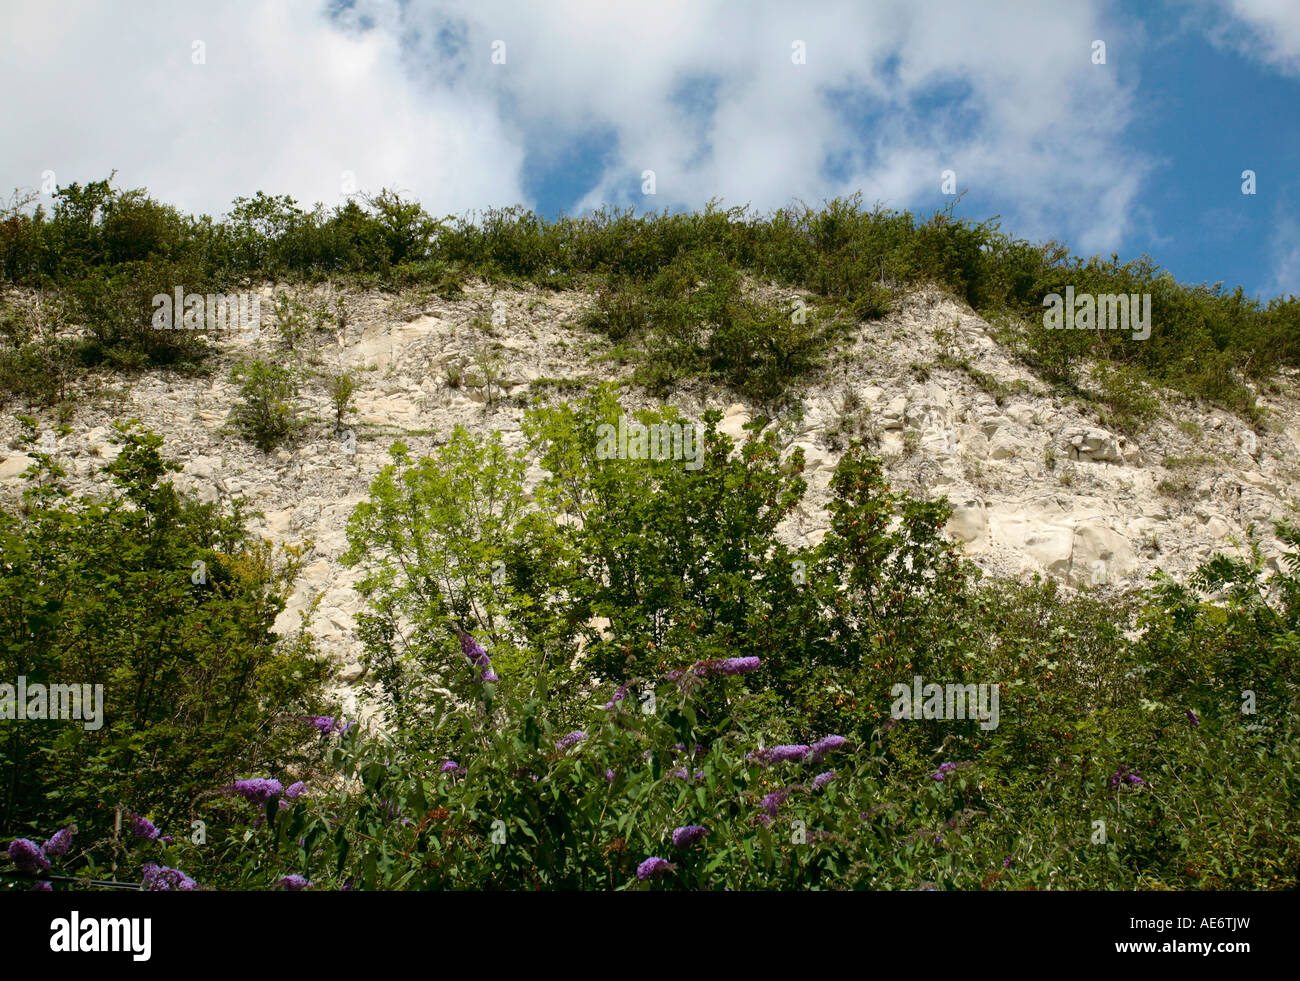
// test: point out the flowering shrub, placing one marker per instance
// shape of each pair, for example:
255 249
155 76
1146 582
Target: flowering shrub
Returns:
691 746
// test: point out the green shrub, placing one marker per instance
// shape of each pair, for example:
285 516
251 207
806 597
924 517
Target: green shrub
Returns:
168 605
267 414
341 388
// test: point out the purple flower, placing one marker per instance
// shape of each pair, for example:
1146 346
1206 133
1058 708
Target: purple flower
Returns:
571 740
609 775
619 695
42 886
822 779
681 774
451 766
159 878
326 724
142 827
653 867
675 673
727 666
1193 718
1006 862
772 801
944 769
295 790
827 745
477 657
294 883
1125 774
686 836
473 650
780 754
59 844
28 857
258 790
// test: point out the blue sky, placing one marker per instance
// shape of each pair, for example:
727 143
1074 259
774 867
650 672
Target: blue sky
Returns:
470 104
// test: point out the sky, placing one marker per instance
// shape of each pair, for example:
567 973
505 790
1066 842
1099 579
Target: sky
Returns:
564 106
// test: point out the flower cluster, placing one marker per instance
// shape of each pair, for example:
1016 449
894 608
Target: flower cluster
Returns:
571 740
716 666
1193 719
294 883
142 827
726 666
772 801
60 842
1125 775
686 836
681 773
780 754
941 774
822 779
325 724
798 752
159 878
653 868
257 790
826 745
452 767
478 658
28 857
619 695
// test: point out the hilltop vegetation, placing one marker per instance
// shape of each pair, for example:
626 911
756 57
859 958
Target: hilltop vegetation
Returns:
668 287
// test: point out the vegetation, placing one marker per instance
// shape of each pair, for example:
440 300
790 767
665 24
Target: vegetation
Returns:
730 713
668 286
267 414
168 605
622 678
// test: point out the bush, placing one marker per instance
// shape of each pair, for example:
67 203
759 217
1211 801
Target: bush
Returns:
267 414
169 606
341 388
735 717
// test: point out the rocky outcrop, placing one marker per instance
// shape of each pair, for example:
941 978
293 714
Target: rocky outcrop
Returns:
1036 483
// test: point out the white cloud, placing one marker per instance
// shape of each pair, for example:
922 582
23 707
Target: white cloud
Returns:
285 103
1266 30
288 99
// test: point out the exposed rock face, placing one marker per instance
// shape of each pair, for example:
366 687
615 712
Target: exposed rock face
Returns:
1036 484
